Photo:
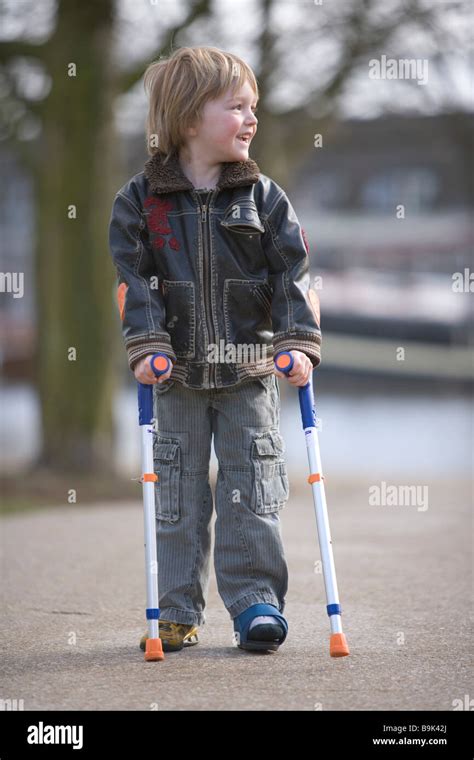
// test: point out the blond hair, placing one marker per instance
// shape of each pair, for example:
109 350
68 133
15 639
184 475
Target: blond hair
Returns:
180 85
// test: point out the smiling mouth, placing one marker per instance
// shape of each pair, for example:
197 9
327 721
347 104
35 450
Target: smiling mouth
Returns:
245 140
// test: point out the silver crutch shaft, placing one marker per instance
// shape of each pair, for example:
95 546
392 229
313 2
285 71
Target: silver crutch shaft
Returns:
338 645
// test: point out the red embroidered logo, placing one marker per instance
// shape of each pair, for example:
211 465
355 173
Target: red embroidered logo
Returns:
158 223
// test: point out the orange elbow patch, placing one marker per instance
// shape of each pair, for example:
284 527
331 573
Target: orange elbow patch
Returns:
121 293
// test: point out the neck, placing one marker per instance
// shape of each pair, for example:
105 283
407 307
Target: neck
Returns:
199 171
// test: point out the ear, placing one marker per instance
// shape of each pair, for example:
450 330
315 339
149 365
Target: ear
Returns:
192 129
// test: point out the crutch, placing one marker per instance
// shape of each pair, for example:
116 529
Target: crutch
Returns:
154 650
338 644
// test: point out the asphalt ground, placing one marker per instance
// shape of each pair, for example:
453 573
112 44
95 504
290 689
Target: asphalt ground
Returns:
73 599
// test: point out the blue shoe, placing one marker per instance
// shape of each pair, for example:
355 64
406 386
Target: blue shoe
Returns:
264 637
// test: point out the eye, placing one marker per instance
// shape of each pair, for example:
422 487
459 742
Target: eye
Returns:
239 105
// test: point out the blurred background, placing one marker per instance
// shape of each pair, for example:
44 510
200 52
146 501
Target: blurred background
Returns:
366 121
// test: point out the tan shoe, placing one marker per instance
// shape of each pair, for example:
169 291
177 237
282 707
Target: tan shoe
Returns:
174 636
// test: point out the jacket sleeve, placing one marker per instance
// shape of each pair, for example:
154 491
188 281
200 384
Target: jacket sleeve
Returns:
295 306
141 304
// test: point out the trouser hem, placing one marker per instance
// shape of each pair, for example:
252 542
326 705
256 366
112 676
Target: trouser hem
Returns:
247 601
175 615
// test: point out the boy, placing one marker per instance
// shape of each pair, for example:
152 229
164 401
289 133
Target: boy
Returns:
213 271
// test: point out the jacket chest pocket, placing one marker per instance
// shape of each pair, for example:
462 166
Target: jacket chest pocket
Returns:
242 218
271 486
167 466
179 298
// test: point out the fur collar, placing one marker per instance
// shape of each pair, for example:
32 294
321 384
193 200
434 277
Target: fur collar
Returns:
169 177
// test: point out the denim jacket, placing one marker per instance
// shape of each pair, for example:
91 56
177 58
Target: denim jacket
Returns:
217 280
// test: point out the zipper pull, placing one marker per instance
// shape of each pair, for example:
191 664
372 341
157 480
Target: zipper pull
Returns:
203 214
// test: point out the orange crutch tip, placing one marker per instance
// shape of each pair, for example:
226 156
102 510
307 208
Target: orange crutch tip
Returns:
154 650
338 645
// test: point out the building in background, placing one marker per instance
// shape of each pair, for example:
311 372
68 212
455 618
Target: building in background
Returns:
387 206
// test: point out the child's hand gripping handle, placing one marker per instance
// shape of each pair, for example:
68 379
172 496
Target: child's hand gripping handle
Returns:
284 363
160 364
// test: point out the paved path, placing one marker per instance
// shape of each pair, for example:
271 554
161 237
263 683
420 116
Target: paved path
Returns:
73 600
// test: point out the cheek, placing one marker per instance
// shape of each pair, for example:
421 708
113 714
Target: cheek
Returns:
223 127
229 124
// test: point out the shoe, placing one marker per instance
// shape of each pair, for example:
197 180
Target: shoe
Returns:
262 637
174 636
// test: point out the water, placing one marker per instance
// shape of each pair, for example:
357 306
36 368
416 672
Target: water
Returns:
398 434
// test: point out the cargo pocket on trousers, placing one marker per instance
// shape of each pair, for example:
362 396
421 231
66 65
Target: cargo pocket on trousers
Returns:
167 466
160 388
271 487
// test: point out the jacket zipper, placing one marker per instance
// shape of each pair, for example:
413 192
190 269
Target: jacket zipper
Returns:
208 284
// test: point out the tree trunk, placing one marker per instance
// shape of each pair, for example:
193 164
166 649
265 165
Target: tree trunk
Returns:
74 273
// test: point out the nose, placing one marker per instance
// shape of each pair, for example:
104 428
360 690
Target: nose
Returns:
251 120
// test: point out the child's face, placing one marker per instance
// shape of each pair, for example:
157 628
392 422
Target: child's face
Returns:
222 121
